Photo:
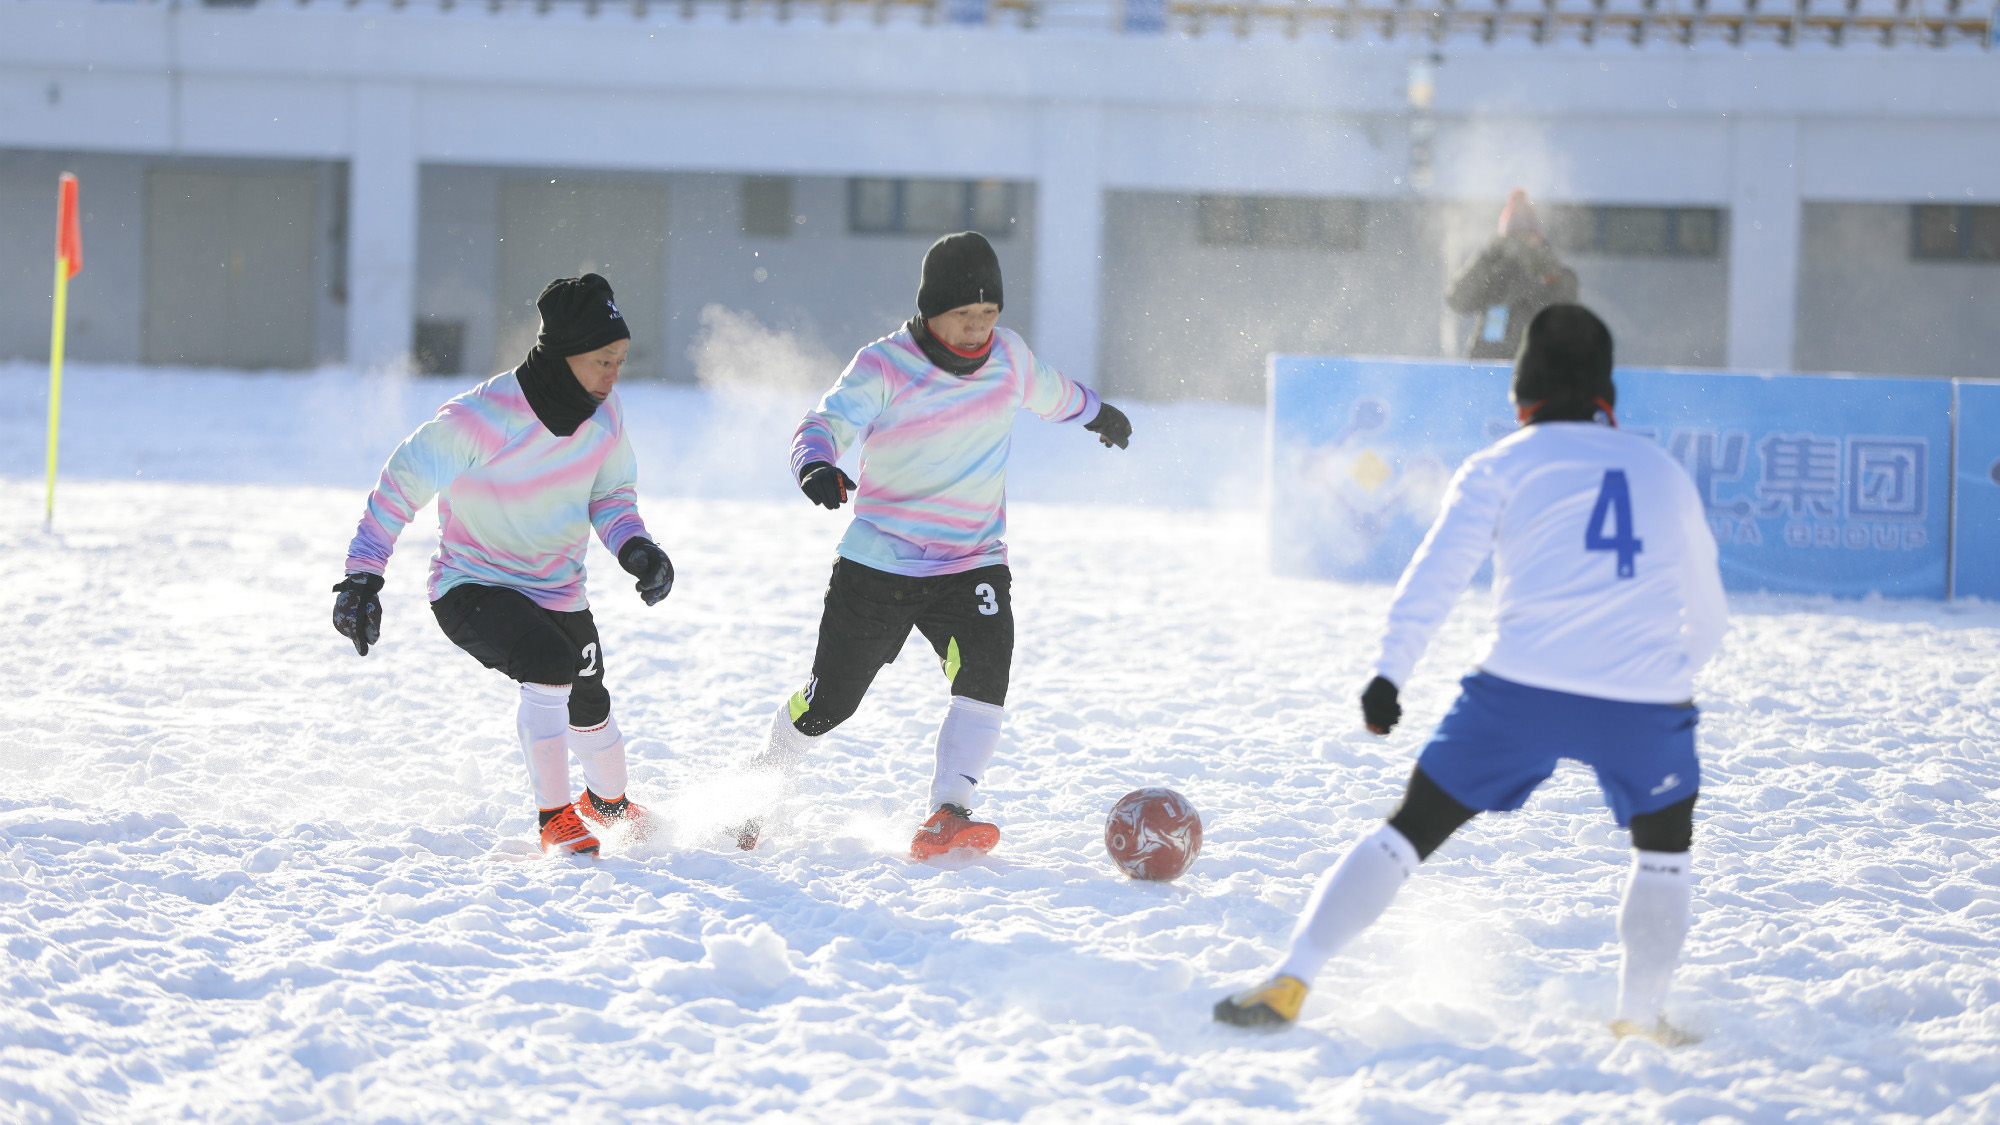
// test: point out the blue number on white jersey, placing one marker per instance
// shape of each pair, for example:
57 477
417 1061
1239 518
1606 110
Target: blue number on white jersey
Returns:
1614 498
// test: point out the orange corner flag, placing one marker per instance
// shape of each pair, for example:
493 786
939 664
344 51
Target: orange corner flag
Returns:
69 259
69 228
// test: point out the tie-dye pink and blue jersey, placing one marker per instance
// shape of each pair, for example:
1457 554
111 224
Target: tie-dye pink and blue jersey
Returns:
932 497
516 503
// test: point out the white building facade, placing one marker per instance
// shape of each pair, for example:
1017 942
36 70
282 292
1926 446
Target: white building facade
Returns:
1173 193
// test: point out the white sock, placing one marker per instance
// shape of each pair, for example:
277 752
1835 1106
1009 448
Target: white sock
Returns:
965 742
1348 900
786 747
1652 924
600 750
543 721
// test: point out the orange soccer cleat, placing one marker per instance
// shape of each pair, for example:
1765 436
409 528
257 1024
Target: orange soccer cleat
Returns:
949 828
624 813
566 834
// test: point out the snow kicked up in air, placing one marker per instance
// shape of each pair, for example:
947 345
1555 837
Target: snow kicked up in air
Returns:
248 876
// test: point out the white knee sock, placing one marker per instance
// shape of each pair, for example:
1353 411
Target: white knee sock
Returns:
600 750
786 747
1652 924
543 721
1349 899
965 742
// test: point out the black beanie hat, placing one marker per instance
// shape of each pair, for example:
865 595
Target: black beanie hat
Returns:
959 269
1564 364
578 316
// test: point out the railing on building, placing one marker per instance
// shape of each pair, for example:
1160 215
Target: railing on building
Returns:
1835 23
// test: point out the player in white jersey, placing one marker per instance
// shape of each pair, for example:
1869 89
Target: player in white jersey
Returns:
1607 599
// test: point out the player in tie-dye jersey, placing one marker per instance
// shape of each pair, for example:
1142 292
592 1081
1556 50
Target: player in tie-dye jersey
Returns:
932 407
523 467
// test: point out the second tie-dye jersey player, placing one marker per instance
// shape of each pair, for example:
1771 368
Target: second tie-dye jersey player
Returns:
932 407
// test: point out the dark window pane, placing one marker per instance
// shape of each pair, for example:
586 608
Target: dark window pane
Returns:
1635 230
1307 223
1937 231
1223 220
1287 223
440 347
1695 231
1984 243
872 206
767 206
1341 222
1570 229
934 206
993 208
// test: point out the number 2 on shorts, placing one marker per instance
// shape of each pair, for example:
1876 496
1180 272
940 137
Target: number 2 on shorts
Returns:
1614 499
589 655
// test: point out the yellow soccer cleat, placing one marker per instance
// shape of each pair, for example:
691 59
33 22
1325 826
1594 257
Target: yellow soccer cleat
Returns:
1275 1003
1662 1032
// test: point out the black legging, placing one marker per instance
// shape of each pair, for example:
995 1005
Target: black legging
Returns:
1429 815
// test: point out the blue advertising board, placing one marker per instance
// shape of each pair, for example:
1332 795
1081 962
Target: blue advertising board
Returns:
1813 483
1976 532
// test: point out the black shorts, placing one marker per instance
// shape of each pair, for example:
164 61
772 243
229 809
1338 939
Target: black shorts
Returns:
968 618
510 634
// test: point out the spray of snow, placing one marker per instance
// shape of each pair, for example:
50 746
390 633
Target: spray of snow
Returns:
246 874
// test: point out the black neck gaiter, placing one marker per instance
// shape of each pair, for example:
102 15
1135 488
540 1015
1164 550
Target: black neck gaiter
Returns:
557 398
935 351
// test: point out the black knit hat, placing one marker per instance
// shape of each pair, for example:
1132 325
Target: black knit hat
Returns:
578 316
959 269
1564 366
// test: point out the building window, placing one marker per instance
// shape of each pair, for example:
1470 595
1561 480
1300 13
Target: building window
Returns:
1955 232
1289 222
1652 232
440 347
931 207
767 206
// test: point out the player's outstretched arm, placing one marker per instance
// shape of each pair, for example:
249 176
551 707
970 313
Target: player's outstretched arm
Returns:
643 559
1457 543
858 398
1111 426
418 470
357 609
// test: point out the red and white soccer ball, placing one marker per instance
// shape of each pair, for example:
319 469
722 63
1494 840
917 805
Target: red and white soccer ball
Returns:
1153 833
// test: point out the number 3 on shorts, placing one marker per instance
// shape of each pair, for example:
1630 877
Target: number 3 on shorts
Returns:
989 602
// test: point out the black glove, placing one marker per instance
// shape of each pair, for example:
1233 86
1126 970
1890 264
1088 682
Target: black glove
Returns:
1111 426
643 559
1379 708
357 612
825 485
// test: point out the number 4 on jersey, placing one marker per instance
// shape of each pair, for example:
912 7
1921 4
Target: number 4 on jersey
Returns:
1614 499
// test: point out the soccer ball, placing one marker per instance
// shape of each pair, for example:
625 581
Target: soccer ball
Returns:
1153 834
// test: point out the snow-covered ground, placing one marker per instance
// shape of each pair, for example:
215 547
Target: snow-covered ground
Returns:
248 876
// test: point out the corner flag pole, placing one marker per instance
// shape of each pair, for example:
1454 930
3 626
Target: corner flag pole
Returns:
69 259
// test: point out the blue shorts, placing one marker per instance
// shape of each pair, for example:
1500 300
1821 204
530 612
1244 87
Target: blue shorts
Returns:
1501 739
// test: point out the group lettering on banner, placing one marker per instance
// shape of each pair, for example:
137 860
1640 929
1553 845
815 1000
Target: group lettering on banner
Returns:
1812 483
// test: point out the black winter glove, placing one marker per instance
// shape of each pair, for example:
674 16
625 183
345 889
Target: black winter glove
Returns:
1379 708
357 612
643 559
1111 426
825 485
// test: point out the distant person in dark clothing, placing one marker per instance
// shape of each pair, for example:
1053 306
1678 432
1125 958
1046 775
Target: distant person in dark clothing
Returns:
1516 276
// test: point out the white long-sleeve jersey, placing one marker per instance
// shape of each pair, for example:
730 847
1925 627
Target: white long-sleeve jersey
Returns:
1604 571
